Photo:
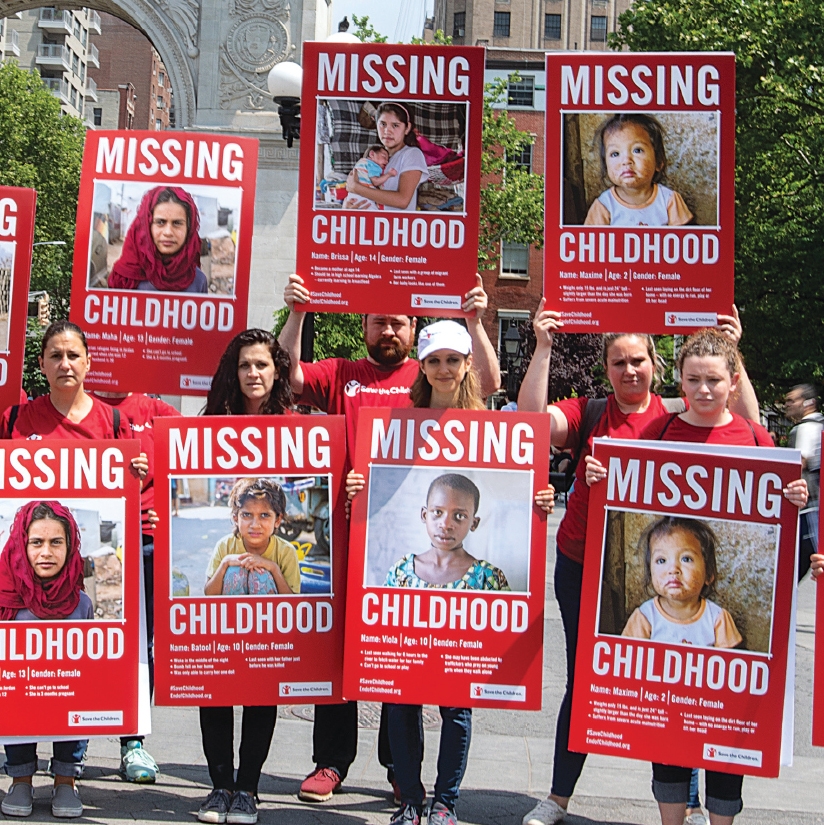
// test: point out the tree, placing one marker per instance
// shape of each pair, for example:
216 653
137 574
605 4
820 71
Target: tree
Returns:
779 50
365 31
42 149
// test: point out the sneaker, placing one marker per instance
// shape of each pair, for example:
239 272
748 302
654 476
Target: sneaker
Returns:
17 802
396 791
242 809
66 802
320 785
216 806
406 815
136 764
440 814
696 819
546 812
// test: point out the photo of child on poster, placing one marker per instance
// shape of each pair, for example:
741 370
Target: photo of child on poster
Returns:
164 238
7 249
640 169
250 536
390 155
684 580
463 531
61 560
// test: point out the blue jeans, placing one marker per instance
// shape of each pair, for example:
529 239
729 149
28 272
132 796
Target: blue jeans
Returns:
21 760
671 784
694 800
567 765
406 741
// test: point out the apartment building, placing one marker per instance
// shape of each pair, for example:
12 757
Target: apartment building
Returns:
133 85
57 43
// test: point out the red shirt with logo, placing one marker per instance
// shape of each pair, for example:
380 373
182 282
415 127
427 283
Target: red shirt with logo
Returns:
341 387
39 419
739 432
141 411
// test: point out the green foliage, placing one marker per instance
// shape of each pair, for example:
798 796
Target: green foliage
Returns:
779 46
42 149
337 335
365 31
512 198
440 38
34 382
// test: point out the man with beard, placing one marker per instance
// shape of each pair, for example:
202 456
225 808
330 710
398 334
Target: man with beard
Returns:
341 387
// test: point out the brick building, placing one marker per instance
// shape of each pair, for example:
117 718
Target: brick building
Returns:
132 82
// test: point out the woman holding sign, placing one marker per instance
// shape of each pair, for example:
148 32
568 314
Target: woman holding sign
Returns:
710 369
407 164
162 247
631 365
446 380
251 379
41 579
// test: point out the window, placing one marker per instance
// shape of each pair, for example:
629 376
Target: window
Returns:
598 28
158 125
161 79
552 26
514 259
521 92
523 160
97 116
500 27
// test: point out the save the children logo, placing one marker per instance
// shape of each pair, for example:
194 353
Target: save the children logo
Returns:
352 388
499 693
305 688
95 718
732 756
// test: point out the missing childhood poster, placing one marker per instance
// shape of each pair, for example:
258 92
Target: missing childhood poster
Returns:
389 176
70 604
640 176
686 614
456 487
161 261
17 208
250 571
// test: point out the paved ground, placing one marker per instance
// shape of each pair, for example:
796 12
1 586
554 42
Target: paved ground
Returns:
509 767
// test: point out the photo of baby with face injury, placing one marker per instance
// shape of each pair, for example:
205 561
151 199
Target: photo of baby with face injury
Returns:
684 580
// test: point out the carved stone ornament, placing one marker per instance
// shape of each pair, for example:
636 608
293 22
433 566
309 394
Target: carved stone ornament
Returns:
255 44
268 6
185 14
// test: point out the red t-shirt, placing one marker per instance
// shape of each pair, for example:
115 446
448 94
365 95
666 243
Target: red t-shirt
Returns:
572 533
341 387
738 433
39 420
141 412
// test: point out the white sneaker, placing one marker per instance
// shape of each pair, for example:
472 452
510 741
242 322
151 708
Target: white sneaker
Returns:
696 819
546 812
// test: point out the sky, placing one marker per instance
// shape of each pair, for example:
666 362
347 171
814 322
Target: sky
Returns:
397 19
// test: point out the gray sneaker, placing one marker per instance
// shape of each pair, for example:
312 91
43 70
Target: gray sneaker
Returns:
66 802
17 802
242 809
216 806
440 814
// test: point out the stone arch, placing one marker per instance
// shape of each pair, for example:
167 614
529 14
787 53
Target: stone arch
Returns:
173 27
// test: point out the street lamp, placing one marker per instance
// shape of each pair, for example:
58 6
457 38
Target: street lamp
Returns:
513 346
284 83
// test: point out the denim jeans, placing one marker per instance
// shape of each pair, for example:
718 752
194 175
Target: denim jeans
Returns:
568 765
406 740
694 800
21 760
722 792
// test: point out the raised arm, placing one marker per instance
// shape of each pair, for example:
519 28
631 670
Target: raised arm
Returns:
745 402
294 294
535 386
483 353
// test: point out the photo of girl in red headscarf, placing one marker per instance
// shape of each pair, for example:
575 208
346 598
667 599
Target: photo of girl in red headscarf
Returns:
41 570
162 247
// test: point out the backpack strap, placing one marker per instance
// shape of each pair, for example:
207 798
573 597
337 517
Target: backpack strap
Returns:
593 413
116 421
670 418
752 430
13 417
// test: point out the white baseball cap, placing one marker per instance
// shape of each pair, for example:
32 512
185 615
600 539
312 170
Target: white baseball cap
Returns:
444 335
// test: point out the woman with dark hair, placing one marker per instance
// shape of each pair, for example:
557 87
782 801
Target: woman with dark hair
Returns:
396 132
162 247
251 379
41 578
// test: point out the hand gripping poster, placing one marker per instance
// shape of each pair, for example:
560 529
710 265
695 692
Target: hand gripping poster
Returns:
390 167
447 559
162 255
70 604
250 565
689 576
640 176
17 208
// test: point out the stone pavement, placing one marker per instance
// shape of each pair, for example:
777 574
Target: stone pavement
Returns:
509 765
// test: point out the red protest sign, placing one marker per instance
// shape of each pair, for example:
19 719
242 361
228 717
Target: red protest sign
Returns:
160 282
389 176
640 176
460 483
818 678
17 207
684 661
250 570
51 669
